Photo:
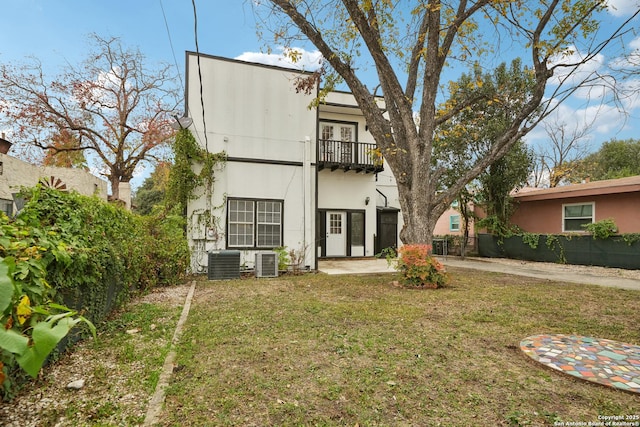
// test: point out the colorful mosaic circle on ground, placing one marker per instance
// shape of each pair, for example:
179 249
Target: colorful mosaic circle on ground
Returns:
611 363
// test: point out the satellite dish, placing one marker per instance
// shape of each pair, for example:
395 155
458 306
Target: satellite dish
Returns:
182 123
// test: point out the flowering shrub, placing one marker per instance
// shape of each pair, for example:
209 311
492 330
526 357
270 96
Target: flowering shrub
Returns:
419 269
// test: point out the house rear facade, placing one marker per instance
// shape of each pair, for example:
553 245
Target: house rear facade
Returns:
308 179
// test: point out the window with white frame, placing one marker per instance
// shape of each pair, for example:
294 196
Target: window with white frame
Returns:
327 131
254 223
575 215
269 224
454 223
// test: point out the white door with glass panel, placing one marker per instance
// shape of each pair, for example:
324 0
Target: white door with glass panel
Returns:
337 142
336 233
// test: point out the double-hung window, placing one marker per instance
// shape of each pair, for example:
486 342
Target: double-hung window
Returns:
269 214
574 216
454 223
254 223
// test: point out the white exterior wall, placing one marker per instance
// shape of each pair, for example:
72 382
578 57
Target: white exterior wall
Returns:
17 173
252 111
276 182
384 182
254 114
269 135
339 191
348 191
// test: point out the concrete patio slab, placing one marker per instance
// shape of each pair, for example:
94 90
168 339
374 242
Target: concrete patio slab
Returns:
560 273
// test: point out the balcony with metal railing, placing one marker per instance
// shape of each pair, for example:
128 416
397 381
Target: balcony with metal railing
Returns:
346 156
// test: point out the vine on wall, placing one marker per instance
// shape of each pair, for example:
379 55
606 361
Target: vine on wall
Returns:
184 181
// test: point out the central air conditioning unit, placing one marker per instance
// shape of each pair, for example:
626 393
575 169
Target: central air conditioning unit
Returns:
266 264
223 265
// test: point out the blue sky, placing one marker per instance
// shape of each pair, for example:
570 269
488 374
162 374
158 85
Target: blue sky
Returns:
55 31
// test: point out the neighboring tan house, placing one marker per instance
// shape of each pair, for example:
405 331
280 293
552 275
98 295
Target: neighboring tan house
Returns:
305 178
565 209
15 173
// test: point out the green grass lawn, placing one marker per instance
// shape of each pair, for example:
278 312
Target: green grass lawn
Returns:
355 350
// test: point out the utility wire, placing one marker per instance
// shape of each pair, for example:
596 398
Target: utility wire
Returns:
175 61
173 52
195 29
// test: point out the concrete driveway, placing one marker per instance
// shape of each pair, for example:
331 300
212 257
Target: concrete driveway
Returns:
548 271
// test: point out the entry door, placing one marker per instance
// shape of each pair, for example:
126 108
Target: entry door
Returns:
336 233
387 230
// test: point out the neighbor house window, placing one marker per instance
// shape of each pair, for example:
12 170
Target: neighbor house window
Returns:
454 223
254 223
6 206
574 216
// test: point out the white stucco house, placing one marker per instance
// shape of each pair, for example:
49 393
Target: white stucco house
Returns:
16 173
305 178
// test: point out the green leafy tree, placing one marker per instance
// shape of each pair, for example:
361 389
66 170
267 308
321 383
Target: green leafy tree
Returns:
614 159
473 133
419 42
509 173
466 200
152 191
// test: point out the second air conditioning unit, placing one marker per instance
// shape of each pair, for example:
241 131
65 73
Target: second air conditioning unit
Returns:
266 264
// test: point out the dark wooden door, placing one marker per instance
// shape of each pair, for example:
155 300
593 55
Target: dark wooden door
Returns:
387 232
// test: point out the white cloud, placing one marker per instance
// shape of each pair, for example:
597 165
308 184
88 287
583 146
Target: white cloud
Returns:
631 94
620 8
308 61
597 84
572 76
102 89
603 121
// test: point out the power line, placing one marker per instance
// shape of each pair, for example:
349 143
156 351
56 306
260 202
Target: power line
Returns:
175 61
195 29
173 52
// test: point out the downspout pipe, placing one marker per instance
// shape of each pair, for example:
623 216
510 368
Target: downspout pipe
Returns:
316 212
386 202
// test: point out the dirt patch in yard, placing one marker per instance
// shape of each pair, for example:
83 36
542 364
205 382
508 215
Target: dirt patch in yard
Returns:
117 371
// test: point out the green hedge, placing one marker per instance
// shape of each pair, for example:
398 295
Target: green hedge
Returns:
83 253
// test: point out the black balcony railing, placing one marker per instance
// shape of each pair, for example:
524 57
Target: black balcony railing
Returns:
356 156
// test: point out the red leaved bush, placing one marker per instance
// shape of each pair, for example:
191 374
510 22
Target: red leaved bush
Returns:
419 269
